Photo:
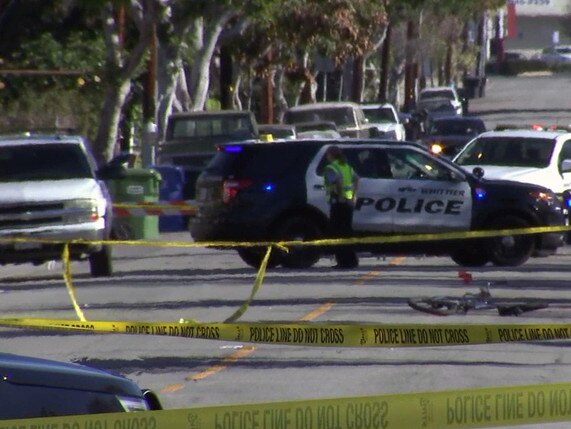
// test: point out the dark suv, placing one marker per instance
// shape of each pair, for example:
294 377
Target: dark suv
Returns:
261 192
33 387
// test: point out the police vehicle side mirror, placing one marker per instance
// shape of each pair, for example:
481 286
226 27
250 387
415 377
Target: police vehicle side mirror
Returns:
478 172
566 166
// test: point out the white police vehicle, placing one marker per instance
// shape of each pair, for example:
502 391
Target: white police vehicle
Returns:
261 192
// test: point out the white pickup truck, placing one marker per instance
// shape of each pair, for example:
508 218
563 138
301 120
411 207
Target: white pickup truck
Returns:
50 191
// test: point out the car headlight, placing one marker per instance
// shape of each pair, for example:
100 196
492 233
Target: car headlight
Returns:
436 148
84 210
130 403
548 198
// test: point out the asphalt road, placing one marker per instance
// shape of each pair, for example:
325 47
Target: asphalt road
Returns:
169 283
524 100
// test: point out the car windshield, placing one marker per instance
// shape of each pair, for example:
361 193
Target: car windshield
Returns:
380 114
239 127
508 151
339 115
277 132
456 128
51 161
427 95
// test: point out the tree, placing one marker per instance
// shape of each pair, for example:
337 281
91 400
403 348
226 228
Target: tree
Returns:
123 62
188 41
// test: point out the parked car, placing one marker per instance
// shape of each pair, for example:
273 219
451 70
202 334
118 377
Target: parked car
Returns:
253 192
347 116
33 387
385 118
51 189
191 139
560 54
428 96
447 136
277 131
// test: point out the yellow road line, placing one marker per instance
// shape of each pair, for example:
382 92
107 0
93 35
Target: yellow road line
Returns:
393 262
247 350
233 357
316 312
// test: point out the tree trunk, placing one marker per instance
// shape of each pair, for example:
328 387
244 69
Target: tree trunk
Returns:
200 73
281 100
120 68
105 140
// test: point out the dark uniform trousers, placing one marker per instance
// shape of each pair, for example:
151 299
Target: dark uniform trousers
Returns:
341 221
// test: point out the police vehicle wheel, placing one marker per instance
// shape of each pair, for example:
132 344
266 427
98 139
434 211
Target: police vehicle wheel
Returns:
253 256
299 228
100 263
471 256
511 250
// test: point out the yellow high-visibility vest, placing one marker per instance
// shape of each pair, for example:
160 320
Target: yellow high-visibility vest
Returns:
346 173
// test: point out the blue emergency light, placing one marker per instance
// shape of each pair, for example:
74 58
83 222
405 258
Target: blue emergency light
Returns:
232 148
480 193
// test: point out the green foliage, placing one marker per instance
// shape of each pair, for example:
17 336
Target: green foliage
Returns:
57 107
40 100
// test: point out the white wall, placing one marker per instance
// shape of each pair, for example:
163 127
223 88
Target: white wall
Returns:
542 7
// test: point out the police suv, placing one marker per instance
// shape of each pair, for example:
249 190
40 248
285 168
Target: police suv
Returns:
274 191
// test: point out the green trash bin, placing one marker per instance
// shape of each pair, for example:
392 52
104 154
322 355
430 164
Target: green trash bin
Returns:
134 185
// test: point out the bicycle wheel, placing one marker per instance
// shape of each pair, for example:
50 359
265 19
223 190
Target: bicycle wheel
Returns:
437 306
517 308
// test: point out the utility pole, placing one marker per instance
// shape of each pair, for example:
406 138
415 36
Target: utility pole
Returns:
411 67
385 56
225 77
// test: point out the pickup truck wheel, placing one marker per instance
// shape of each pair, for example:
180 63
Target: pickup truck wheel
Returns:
299 228
253 256
100 263
471 256
510 250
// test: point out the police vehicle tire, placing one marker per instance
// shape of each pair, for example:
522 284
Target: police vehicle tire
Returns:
511 251
472 256
253 257
100 263
299 228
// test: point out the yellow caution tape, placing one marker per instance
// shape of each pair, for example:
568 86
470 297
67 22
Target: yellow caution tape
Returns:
447 409
69 283
319 334
375 239
257 284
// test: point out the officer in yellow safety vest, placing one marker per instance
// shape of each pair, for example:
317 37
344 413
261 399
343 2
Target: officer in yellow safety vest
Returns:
341 183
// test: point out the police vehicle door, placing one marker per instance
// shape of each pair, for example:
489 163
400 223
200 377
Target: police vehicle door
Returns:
427 195
374 181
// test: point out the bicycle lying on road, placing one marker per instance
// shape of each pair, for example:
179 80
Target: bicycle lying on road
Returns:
446 306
